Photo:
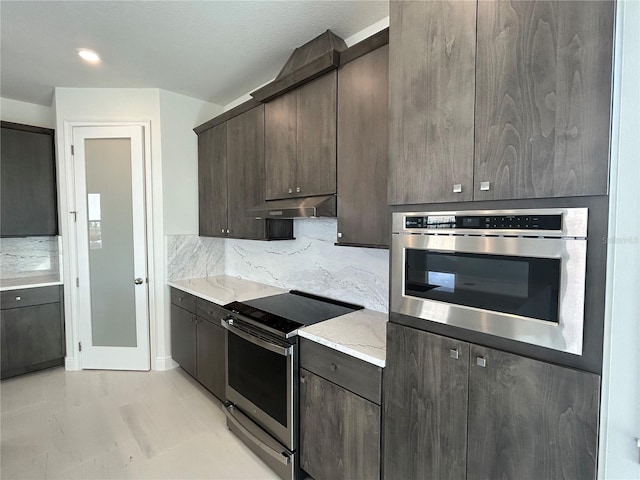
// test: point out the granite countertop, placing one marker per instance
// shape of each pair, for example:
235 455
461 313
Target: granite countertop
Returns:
224 289
30 282
361 334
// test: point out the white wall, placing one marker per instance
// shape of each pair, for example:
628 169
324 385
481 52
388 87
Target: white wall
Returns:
27 113
620 418
179 115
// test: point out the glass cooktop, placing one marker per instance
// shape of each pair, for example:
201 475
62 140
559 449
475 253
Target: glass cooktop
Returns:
289 311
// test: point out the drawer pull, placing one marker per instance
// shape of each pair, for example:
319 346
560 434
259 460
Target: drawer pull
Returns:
453 353
333 367
303 379
18 298
481 362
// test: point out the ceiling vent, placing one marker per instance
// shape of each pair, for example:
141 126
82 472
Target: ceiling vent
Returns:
314 58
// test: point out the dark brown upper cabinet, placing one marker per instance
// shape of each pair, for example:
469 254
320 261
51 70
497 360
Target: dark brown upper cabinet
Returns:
231 179
363 143
431 89
539 109
543 98
212 181
300 141
28 200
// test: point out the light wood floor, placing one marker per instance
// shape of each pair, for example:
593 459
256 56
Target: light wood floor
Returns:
117 425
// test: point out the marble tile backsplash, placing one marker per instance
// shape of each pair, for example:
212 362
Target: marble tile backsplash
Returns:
29 257
311 263
191 256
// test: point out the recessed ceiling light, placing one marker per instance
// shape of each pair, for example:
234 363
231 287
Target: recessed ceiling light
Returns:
88 55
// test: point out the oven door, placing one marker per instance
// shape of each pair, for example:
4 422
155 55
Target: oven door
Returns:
525 289
260 379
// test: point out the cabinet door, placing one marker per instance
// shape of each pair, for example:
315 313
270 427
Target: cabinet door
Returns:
280 151
339 431
425 405
316 137
531 419
245 160
211 357
431 89
363 150
212 181
30 336
28 176
183 339
543 98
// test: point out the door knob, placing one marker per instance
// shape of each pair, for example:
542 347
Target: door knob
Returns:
138 281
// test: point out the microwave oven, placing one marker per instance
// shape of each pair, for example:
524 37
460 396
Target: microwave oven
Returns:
515 274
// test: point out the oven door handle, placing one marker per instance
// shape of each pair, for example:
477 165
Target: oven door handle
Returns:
280 350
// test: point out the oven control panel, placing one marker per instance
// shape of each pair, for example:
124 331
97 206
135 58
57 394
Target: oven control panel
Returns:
485 222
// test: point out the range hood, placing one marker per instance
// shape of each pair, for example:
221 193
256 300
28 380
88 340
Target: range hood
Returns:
307 207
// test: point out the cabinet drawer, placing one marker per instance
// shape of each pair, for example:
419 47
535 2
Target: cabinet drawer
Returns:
358 376
183 299
210 311
26 297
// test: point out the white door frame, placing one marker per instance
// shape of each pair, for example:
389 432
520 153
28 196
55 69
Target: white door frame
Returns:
74 356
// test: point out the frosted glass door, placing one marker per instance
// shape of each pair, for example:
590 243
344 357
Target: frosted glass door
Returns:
110 221
111 241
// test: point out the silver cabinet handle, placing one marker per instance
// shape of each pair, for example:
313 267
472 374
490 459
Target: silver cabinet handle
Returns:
485 186
333 367
138 281
290 191
18 298
339 235
457 188
453 353
481 362
303 379
297 189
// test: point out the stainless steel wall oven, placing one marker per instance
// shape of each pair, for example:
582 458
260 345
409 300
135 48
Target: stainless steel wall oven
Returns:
516 274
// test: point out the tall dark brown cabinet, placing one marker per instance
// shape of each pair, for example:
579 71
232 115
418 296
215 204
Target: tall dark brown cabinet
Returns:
431 101
28 175
212 181
363 150
526 418
500 99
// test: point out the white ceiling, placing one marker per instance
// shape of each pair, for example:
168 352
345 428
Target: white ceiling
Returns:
211 50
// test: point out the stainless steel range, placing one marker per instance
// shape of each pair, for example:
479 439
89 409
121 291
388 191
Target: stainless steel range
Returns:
262 371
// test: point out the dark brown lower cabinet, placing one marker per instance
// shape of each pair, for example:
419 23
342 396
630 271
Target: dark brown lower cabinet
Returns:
339 431
183 339
32 336
530 419
198 340
527 419
211 357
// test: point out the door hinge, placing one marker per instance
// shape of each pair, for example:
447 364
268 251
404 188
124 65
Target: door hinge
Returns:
77 282
75 216
79 346
72 150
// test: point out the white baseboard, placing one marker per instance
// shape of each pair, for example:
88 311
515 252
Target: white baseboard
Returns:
71 364
163 363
